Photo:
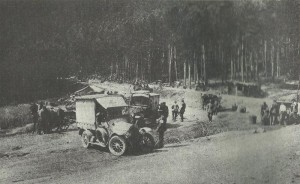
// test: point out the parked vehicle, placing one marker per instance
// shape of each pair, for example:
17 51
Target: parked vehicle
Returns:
104 120
145 104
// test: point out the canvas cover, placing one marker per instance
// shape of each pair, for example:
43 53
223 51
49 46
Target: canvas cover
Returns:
113 101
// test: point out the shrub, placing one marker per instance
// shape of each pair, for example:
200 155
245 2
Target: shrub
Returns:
14 116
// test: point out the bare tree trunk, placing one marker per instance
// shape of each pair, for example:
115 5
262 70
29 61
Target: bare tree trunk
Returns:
242 60
272 59
170 64
190 81
175 64
149 66
184 72
194 61
256 66
162 64
111 70
238 63
231 68
125 72
117 70
265 55
251 66
223 66
204 64
278 60
137 70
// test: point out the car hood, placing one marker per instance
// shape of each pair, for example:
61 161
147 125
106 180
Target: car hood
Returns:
120 125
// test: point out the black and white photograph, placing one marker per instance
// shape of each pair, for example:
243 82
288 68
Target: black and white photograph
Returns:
150 91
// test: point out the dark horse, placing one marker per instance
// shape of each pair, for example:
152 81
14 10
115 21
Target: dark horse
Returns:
56 118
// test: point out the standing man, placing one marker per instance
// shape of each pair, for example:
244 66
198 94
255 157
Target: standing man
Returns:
209 111
35 116
162 124
263 108
282 114
182 109
294 107
274 113
175 109
216 107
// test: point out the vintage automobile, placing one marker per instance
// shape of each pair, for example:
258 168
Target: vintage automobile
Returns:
145 104
104 120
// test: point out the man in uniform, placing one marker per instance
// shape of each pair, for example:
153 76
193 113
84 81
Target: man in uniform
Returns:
102 126
182 109
44 121
263 108
282 114
162 124
209 111
274 111
175 109
35 116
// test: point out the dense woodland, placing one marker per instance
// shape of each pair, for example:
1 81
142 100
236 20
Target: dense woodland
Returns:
244 40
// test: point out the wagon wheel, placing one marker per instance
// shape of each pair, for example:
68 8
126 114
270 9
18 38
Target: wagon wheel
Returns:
117 145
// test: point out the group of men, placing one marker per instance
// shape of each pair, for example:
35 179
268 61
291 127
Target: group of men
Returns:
278 112
163 111
176 111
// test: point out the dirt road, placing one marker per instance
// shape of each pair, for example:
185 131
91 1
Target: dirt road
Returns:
235 157
232 157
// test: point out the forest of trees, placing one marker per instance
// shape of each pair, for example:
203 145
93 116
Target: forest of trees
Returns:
243 40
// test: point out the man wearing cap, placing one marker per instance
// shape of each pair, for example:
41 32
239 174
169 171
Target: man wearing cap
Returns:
274 111
175 109
162 124
282 113
263 108
182 109
209 111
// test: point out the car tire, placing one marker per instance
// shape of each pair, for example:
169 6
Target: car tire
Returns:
85 138
147 143
117 145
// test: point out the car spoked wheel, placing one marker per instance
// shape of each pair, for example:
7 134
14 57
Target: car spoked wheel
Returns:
117 145
147 143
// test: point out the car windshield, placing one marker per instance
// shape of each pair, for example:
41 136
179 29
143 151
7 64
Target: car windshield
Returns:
117 112
140 101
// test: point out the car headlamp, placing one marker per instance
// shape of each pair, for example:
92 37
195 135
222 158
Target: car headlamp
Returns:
127 134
